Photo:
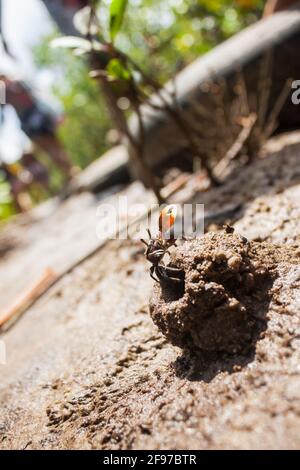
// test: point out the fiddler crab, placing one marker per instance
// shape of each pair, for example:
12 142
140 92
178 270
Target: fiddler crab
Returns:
158 246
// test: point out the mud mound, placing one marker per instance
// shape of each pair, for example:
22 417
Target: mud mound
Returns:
226 293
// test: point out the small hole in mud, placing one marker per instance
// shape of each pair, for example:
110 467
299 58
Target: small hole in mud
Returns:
172 292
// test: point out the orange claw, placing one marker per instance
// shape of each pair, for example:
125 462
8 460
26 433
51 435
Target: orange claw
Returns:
167 218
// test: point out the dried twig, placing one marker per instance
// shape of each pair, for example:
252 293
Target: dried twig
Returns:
237 146
264 88
27 298
272 119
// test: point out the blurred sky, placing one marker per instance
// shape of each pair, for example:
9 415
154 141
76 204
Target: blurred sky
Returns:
25 22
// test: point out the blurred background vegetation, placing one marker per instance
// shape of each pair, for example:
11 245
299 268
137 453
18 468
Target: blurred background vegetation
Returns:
161 36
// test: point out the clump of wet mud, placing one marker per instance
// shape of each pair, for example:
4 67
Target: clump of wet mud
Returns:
222 304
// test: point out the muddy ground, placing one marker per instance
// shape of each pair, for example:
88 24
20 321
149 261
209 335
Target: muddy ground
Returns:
87 368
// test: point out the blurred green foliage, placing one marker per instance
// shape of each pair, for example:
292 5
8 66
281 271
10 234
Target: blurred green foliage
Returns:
172 33
83 130
6 205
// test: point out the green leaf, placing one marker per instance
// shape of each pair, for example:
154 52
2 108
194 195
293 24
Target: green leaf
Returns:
117 70
116 12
